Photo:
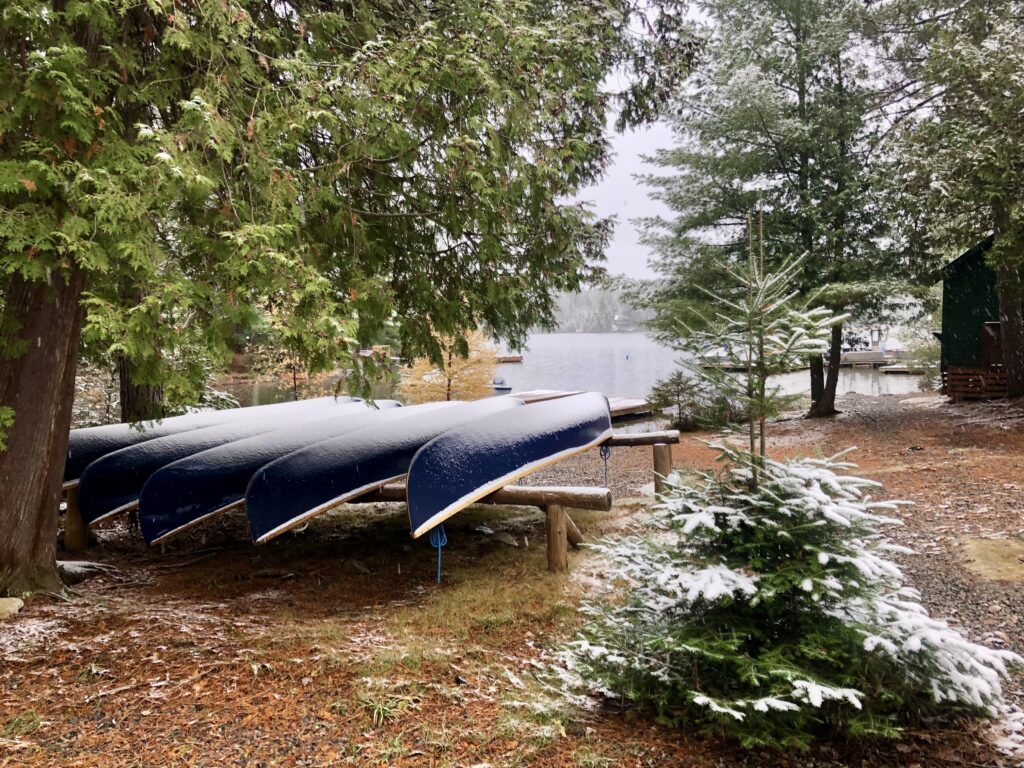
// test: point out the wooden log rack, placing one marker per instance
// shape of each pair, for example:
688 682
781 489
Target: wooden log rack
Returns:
553 500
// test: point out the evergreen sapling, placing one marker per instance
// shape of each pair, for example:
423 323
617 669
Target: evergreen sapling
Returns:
764 605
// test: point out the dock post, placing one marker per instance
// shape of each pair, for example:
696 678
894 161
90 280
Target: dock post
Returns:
558 552
76 532
662 466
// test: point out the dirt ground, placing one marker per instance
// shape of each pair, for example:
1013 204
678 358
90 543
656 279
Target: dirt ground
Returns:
334 645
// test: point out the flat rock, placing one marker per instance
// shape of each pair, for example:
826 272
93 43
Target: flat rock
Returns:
10 606
995 559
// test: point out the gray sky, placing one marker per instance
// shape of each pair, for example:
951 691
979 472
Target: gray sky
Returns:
621 195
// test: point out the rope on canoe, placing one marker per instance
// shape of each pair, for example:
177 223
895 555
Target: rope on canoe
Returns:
438 538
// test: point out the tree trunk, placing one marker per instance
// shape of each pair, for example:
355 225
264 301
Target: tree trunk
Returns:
39 384
139 402
817 377
1011 327
826 404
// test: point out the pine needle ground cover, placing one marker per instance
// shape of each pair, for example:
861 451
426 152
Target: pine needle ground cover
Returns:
766 608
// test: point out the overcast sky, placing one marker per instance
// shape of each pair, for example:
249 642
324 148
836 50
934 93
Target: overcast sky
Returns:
619 194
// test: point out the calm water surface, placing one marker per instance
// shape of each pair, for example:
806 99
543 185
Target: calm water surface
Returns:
629 364
617 364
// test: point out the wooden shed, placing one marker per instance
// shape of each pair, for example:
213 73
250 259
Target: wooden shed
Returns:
972 354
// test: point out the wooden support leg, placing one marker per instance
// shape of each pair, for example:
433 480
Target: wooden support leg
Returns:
662 467
572 533
76 532
558 552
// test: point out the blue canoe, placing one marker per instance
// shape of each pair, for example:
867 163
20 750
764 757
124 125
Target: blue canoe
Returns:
90 443
463 465
112 483
193 489
305 483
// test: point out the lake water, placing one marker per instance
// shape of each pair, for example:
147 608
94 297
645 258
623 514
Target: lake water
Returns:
617 364
629 364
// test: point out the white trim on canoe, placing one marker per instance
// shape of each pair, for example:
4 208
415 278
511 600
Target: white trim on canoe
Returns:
116 511
226 508
336 501
483 490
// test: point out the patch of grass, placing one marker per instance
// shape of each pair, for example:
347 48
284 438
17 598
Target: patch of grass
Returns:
90 673
587 758
385 709
22 724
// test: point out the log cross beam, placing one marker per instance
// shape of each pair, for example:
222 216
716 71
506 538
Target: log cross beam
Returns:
552 499
662 443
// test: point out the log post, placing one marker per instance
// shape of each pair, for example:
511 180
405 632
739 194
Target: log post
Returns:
558 552
662 467
572 533
76 532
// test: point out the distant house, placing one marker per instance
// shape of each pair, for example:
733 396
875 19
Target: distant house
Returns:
972 353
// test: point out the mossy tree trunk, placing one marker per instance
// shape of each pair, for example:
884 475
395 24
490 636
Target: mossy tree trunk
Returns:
37 381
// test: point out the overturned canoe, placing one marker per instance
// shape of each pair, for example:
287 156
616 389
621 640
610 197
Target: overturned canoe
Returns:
193 489
463 465
112 483
302 484
90 443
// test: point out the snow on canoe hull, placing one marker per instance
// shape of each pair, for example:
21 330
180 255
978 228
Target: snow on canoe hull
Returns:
90 443
112 483
307 482
192 489
462 466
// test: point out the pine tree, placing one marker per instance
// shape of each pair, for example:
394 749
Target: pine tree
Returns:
764 605
963 154
782 108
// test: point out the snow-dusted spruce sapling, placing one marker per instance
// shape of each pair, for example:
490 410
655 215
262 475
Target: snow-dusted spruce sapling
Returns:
763 605
754 326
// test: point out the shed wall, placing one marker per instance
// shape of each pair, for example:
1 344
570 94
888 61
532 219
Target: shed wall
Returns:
969 300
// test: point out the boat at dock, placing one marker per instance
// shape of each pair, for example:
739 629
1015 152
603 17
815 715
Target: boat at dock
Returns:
469 462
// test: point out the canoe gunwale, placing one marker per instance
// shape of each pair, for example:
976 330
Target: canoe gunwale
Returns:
480 491
116 511
191 523
330 504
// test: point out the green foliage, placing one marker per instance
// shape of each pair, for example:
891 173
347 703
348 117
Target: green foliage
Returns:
772 615
693 403
963 156
6 421
345 165
784 110
763 606
750 333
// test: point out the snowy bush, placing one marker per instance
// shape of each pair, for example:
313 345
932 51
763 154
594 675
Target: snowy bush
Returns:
765 607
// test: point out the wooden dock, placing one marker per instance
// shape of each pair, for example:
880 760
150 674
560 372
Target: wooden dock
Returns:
618 407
